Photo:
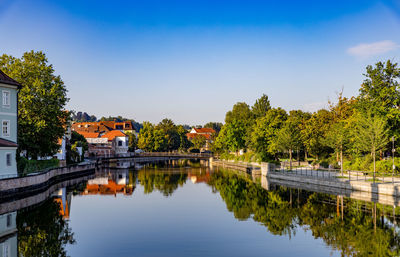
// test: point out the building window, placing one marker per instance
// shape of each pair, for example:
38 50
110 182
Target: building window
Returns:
119 143
6 128
6 98
9 220
6 249
8 159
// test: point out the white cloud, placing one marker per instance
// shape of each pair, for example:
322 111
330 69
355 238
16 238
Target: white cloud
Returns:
376 48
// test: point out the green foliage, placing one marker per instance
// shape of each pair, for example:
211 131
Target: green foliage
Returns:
199 141
166 136
261 106
132 141
263 135
214 125
314 131
25 166
41 103
240 112
371 134
162 181
232 136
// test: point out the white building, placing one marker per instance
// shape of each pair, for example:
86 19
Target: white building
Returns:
8 118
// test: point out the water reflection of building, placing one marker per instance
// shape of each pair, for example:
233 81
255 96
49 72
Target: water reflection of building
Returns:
8 235
64 199
199 177
111 182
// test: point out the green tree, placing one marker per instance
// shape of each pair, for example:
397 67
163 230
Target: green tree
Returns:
261 106
381 89
264 132
132 141
232 136
215 126
41 102
146 140
199 141
184 143
314 130
160 140
240 111
371 134
288 137
171 134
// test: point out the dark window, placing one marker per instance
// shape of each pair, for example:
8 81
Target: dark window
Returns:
8 220
119 143
8 156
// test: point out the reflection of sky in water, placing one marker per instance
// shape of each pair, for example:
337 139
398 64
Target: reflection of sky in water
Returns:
192 222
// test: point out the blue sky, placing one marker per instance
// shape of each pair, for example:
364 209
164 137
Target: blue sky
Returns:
192 60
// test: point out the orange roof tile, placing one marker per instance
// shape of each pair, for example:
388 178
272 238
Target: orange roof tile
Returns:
89 134
113 134
193 135
204 130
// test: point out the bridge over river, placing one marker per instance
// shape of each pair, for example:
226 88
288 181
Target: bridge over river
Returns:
133 160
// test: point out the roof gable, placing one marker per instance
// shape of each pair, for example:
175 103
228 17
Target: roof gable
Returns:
113 134
7 80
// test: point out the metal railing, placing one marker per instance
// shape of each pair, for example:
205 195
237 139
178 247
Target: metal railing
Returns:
335 174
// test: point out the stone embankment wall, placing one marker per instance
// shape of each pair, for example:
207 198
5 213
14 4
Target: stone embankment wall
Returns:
13 185
242 166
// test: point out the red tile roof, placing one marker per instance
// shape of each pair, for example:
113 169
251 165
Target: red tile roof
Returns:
113 134
7 80
193 135
204 130
89 134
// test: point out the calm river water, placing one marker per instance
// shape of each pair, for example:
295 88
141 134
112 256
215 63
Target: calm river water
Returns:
160 211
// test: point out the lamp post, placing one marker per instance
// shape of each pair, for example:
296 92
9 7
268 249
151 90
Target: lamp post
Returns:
393 150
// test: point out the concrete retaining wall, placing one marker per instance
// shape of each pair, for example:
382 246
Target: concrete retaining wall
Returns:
15 184
245 167
377 188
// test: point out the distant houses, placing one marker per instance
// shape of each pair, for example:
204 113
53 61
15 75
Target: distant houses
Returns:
207 133
105 138
8 118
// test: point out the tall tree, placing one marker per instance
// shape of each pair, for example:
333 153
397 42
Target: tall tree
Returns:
264 132
232 136
41 103
171 134
371 134
240 111
215 126
261 106
314 131
381 87
288 138
146 140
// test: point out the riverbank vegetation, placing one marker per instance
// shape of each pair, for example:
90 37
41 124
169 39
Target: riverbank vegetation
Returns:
358 131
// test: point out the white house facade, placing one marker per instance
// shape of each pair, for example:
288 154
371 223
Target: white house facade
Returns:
8 122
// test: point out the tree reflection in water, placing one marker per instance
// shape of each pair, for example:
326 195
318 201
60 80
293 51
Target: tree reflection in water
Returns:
355 231
42 231
164 181
355 228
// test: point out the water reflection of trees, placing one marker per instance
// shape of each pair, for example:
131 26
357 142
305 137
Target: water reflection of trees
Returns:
42 231
164 181
284 210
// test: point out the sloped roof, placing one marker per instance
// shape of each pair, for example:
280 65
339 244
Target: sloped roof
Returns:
204 130
193 135
113 134
7 143
89 134
7 80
